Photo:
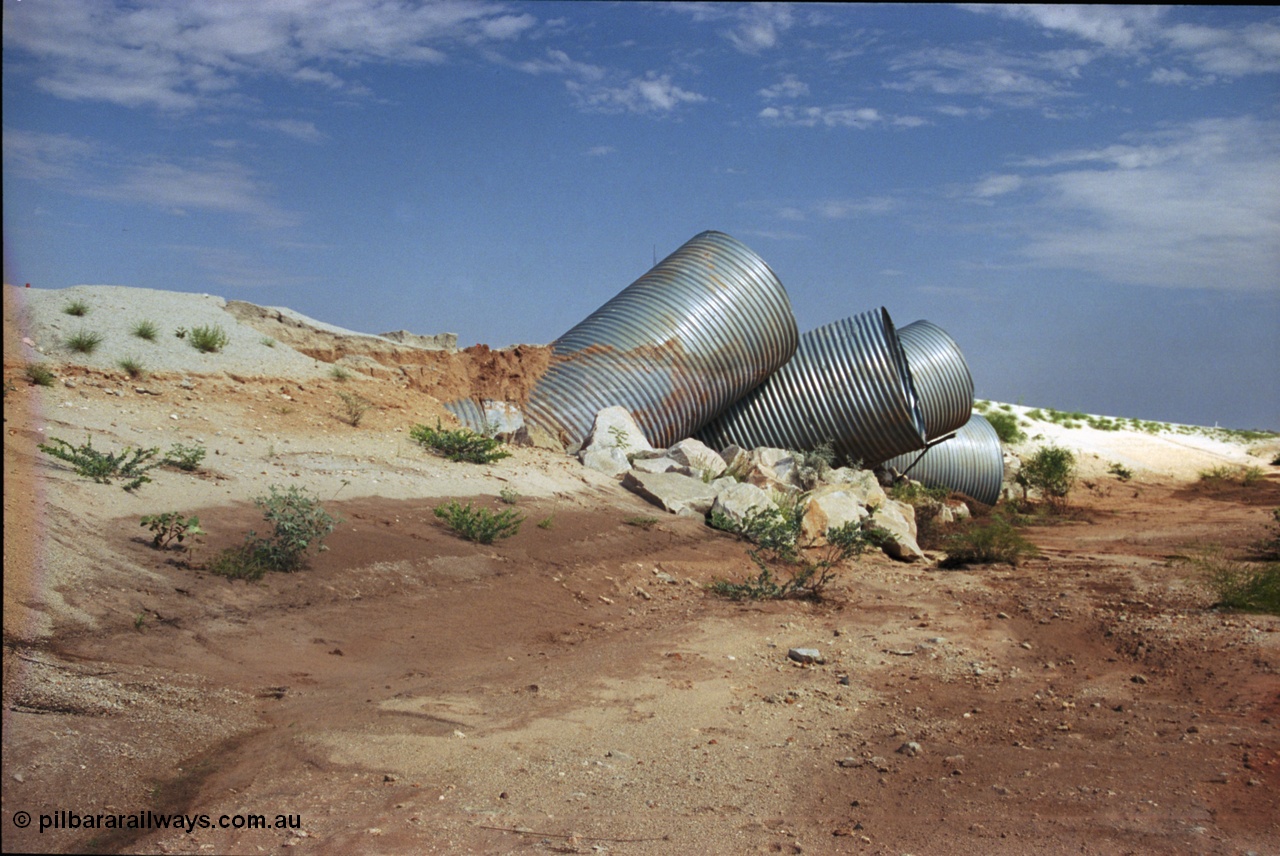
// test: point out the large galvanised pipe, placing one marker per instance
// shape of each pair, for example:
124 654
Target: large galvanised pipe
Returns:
971 462
675 348
941 376
848 384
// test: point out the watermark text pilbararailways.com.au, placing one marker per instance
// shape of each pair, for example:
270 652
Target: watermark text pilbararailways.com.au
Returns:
150 820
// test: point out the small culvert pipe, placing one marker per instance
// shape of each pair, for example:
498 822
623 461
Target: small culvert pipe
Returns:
848 384
675 348
941 376
971 462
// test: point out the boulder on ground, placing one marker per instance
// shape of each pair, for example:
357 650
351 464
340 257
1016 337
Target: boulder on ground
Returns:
609 460
738 499
899 520
616 427
655 465
679 494
772 469
830 507
699 458
863 484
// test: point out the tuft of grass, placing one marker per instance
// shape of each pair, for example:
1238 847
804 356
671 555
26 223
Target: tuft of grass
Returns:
354 408
480 524
1120 471
1006 426
103 467
83 341
132 366
209 339
547 523
992 541
460 444
268 341
509 495
641 522
39 375
340 374
145 330
78 308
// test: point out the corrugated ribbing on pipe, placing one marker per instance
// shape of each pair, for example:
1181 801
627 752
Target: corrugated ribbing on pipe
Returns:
941 377
848 384
971 462
469 413
677 346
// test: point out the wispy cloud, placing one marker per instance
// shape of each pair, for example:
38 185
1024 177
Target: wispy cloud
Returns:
305 131
41 156
835 117
181 54
1191 206
1112 27
653 94
1017 80
759 26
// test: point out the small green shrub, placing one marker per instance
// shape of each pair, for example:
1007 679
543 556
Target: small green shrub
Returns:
1223 475
268 341
171 526
547 523
641 522
183 457
354 407
39 375
460 444
916 494
132 366
1006 426
83 341
509 495
180 333
989 542
340 374
1120 471
480 524
241 562
209 339
78 308
786 573
103 467
1050 470
146 330
1244 586
298 523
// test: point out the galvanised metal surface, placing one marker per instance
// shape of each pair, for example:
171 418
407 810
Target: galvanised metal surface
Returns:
677 346
971 462
847 384
941 377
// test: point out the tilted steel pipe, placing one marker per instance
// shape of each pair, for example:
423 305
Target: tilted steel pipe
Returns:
941 376
971 462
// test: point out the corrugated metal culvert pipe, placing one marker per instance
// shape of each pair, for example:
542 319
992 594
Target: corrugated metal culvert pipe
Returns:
848 384
971 462
941 377
676 347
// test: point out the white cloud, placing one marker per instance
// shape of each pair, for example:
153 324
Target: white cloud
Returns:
1193 206
834 117
218 186
559 62
759 26
1010 79
41 156
653 93
305 131
1253 49
601 151
177 54
789 87
997 185
1112 27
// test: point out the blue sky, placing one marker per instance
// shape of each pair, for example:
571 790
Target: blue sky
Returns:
1087 199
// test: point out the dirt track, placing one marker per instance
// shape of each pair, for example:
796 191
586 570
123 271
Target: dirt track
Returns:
574 689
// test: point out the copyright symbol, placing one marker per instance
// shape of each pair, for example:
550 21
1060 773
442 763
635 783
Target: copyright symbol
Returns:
21 819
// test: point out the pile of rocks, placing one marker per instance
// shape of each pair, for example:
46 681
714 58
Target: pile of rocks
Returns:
690 478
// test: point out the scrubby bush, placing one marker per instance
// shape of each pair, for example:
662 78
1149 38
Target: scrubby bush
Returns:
1006 427
783 571
1120 471
354 408
480 524
990 541
1051 470
39 375
460 444
1223 475
1244 586
104 467
298 523
183 457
